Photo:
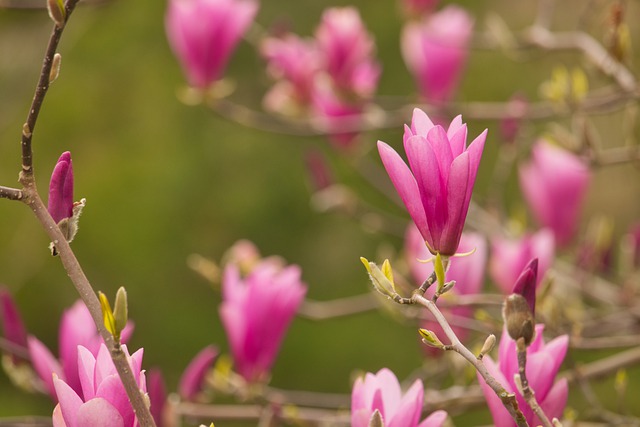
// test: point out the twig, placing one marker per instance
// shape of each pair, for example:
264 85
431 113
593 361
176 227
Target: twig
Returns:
322 310
527 393
10 193
29 195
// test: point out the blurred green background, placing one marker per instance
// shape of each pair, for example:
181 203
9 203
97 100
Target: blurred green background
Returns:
164 180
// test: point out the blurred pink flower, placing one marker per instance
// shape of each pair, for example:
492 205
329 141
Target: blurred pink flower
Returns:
60 203
335 114
204 33
13 328
437 187
102 401
295 62
554 184
382 391
347 49
468 272
435 51
76 328
157 391
510 256
256 311
193 376
543 363
511 125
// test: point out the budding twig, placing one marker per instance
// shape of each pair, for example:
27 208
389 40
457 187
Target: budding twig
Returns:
527 392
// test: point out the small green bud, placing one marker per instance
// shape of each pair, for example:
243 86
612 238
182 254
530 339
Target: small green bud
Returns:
382 279
57 12
107 316
55 68
430 338
120 311
488 345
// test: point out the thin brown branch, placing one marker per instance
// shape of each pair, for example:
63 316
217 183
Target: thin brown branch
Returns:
322 310
527 393
10 193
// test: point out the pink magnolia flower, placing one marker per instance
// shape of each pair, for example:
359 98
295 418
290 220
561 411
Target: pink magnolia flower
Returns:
193 376
554 184
437 187
347 50
468 272
510 256
102 401
157 391
295 62
203 34
382 392
256 311
76 328
336 114
435 51
60 204
13 328
543 363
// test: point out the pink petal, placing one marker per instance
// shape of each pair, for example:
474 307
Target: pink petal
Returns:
457 189
44 363
99 413
193 376
86 372
407 413
436 419
70 402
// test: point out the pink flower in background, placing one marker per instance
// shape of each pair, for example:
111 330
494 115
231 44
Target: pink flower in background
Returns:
347 49
157 391
60 204
510 256
193 376
437 187
382 391
336 115
554 183
435 51
76 328
418 7
256 312
102 401
468 272
295 62
543 363
204 33
13 328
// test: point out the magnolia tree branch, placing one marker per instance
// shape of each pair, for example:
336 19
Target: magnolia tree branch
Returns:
508 399
29 195
527 393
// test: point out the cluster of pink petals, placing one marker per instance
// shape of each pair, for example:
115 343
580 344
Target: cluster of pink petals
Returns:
435 51
204 33
60 203
436 187
510 256
382 392
102 401
543 363
331 76
256 312
467 271
76 329
554 183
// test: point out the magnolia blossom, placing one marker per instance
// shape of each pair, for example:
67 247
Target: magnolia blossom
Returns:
204 33
193 376
346 49
295 63
510 256
157 392
60 203
382 392
256 311
102 401
554 184
437 187
543 363
12 326
419 7
335 114
435 51
76 328
467 271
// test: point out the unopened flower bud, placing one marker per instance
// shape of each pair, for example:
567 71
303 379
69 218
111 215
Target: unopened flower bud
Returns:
382 279
57 12
376 419
120 311
518 318
55 67
107 317
526 284
430 338
488 345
